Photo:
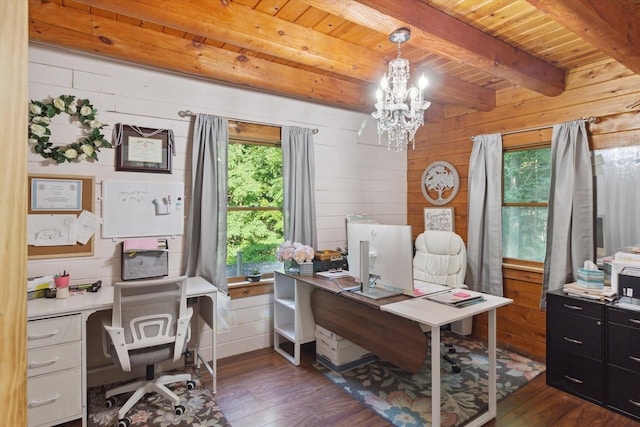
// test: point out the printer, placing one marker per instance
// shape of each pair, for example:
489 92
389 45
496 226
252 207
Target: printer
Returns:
625 278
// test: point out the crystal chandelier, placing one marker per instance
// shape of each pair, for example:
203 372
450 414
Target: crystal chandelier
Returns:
399 111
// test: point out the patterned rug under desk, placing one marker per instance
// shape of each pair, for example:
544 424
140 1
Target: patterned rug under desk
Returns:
404 399
154 410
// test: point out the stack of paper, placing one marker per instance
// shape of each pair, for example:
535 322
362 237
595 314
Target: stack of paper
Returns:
456 297
577 290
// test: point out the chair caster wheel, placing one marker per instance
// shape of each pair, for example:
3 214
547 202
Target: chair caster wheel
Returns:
179 410
110 403
125 422
456 369
191 385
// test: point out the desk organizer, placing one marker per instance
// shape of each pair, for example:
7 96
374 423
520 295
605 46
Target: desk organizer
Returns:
145 258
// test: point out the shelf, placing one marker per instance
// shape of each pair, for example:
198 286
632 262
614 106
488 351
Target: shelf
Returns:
288 331
287 302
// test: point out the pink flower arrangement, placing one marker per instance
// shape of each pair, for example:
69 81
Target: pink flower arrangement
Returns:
295 251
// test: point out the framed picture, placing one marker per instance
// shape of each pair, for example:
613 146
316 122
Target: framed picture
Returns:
143 150
441 219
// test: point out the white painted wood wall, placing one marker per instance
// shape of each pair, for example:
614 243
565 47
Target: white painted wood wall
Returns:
353 173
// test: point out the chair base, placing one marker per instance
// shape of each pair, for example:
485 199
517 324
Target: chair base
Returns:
143 387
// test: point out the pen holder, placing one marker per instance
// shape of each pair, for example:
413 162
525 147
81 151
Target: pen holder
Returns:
62 286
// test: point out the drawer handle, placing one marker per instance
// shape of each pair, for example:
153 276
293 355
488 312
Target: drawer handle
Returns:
635 359
36 403
572 307
572 341
42 336
633 402
636 321
573 380
43 363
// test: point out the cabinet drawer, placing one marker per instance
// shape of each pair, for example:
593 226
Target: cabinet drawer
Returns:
625 318
54 358
577 375
56 330
579 335
623 389
624 346
567 304
54 397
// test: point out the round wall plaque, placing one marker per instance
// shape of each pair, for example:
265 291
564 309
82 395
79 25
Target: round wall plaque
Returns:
440 182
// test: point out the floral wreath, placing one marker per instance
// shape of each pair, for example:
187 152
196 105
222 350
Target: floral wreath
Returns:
40 115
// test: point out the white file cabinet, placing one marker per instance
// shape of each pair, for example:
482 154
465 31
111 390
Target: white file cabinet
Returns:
54 363
293 323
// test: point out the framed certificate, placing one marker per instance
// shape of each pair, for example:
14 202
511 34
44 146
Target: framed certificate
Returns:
143 150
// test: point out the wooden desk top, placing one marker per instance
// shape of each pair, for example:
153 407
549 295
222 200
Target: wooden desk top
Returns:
337 286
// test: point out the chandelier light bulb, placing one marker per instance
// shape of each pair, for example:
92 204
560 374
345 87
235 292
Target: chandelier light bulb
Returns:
399 110
384 83
423 82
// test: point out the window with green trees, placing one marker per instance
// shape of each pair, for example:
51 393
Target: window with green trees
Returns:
527 178
255 199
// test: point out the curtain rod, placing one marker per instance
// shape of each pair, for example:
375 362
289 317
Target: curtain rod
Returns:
187 113
586 119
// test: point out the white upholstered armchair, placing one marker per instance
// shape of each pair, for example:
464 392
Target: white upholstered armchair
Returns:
441 257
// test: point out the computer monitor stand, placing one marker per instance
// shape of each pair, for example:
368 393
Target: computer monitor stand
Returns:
365 289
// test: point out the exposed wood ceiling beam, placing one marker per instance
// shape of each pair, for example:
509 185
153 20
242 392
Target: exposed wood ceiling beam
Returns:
606 25
437 32
94 34
225 22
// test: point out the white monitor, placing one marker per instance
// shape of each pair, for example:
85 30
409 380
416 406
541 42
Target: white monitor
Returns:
390 259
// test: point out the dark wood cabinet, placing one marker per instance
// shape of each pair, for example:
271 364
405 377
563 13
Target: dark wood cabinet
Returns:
593 351
575 346
623 361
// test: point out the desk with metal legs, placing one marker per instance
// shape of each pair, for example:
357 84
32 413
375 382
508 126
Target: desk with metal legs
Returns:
435 315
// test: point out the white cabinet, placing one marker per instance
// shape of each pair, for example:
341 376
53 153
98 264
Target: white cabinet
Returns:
54 370
293 323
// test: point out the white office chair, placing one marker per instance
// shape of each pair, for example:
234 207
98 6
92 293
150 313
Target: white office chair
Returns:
441 257
150 324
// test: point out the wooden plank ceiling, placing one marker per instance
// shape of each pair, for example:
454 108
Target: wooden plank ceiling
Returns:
335 51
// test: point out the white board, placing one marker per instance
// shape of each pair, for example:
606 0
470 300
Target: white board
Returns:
136 209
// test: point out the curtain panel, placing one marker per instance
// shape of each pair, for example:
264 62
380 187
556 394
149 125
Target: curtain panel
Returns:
298 172
570 223
484 234
205 252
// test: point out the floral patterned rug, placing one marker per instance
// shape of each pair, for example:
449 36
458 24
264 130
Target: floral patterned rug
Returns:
404 399
154 410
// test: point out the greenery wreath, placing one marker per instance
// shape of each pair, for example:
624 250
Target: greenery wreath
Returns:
40 115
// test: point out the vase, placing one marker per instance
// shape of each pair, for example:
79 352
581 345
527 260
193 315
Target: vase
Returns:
291 267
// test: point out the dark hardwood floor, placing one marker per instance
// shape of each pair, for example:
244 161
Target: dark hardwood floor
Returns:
261 388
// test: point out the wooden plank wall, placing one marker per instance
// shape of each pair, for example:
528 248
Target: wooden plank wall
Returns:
605 90
13 226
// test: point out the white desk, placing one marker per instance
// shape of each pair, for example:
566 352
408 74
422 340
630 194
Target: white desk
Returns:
198 289
435 315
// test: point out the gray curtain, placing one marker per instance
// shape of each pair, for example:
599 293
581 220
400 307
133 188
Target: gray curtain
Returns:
570 222
298 172
484 236
206 237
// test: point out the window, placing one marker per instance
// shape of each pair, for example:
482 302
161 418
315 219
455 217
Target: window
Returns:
525 203
255 200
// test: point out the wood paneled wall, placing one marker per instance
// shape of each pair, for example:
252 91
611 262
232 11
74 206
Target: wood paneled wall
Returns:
605 90
13 221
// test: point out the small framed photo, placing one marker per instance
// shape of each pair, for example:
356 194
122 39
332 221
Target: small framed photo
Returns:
441 219
143 150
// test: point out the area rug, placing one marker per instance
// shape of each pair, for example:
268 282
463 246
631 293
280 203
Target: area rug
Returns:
404 399
154 410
